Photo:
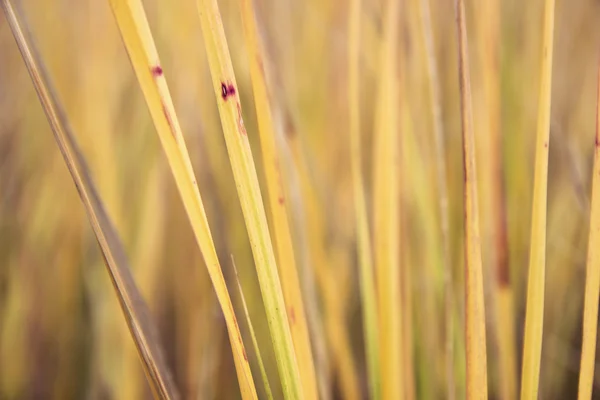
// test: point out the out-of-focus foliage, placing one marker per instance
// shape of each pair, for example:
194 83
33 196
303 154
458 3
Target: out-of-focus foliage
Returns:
62 335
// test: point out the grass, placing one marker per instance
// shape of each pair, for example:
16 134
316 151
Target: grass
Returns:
534 322
380 171
132 22
288 271
133 306
592 283
386 211
226 93
475 339
367 281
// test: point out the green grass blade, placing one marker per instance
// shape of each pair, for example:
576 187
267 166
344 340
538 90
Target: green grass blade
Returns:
261 364
367 280
424 12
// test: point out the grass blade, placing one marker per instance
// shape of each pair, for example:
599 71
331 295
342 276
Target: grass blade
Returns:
135 31
290 283
476 356
367 281
244 172
493 194
386 213
534 316
261 364
592 283
426 34
133 306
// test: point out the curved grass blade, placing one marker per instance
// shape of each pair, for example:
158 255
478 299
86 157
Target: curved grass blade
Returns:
133 306
135 31
386 212
244 172
288 271
534 315
367 280
592 282
476 356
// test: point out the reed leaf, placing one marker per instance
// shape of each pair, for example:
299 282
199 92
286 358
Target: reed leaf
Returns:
386 210
534 314
365 262
261 364
476 356
592 280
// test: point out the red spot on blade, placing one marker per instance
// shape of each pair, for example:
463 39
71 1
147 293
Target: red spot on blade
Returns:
281 200
156 71
227 90
292 316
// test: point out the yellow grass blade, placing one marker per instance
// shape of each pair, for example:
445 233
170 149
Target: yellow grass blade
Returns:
474 306
288 271
244 172
367 281
261 364
592 282
489 24
386 213
133 306
534 317
132 23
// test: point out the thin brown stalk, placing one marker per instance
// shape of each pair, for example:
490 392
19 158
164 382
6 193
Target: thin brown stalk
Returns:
474 305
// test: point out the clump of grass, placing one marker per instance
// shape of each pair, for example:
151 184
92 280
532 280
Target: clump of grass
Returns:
135 31
357 104
226 93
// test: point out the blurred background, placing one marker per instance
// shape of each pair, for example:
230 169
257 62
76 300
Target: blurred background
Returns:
62 334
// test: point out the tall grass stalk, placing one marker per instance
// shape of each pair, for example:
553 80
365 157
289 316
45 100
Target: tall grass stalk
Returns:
261 364
131 302
489 27
365 262
226 92
534 317
137 37
475 341
592 280
426 36
386 209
